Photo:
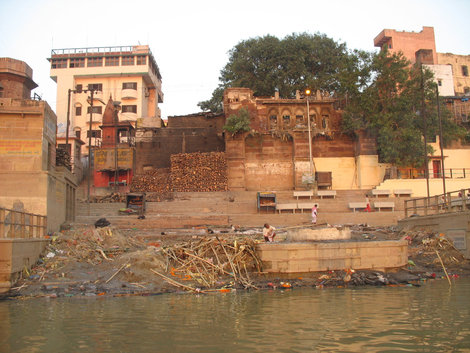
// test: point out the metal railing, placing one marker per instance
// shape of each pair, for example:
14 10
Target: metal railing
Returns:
454 201
451 173
19 224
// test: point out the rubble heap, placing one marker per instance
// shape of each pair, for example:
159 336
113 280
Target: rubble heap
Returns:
198 172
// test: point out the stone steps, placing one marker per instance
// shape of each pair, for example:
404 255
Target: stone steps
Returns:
223 209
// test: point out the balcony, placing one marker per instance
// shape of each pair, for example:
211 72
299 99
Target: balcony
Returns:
129 93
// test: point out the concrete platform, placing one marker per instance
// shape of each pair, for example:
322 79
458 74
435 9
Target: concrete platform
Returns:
297 257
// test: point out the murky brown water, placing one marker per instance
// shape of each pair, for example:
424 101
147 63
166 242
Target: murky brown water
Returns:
431 318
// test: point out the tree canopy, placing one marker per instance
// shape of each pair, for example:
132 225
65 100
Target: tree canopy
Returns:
391 108
266 64
384 92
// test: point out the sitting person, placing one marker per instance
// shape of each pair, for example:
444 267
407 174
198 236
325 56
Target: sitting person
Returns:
269 232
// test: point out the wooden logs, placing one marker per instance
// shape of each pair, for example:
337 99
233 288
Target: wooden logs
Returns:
198 172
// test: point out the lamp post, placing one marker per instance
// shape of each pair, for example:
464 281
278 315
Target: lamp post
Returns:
423 106
441 145
116 105
307 94
90 130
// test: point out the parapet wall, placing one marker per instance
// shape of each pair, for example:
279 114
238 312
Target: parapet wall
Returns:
332 256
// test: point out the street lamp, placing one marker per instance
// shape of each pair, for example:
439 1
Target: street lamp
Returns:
441 143
307 95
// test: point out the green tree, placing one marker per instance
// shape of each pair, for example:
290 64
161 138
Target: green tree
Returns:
390 106
265 64
239 122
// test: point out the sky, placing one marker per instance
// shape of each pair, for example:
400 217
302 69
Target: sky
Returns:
191 40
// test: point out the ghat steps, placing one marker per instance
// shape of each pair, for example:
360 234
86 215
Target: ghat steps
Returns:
193 209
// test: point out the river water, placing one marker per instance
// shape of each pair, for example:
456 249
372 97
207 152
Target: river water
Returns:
430 318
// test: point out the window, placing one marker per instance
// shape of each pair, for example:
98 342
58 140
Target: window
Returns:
96 87
439 82
78 134
286 120
127 60
78 111
129 109
94 133
77 62
324 121
96 109
141 60
299 119
79 88
465 70
59 63
1 92
466 90
129 85
390 46
272 121
112 61
93 62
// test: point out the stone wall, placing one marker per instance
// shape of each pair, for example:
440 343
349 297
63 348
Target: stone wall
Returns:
300 257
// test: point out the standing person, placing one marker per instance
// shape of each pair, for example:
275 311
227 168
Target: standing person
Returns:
269 232
368 209
314 214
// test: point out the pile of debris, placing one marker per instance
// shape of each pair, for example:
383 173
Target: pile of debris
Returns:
210 259
198 172
92 245
113 197
157 180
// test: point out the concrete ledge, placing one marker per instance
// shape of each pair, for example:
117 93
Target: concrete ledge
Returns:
16 254
338 255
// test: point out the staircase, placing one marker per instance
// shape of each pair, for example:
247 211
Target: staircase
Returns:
222 209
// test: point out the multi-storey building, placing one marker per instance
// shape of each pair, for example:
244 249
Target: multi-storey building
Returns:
29 174
128 74
459 65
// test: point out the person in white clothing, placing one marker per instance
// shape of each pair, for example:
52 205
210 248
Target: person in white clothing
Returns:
269 232
314 214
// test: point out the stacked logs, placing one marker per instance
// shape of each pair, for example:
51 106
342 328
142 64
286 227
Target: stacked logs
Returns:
157 180
62 158
198 172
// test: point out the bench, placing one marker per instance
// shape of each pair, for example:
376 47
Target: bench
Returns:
377 193
326 193
306 206
308 194
380 205
402 192
286 206
357 205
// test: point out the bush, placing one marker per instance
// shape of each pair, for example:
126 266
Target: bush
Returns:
239 122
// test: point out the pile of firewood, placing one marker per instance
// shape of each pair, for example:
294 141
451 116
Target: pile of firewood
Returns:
62 157
157 180
208 260
198 172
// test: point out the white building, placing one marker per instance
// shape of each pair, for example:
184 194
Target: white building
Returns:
128 74
444 78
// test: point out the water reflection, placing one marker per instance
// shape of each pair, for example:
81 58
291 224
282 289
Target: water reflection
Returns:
432 318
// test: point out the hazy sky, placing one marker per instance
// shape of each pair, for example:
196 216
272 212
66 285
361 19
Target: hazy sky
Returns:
191 39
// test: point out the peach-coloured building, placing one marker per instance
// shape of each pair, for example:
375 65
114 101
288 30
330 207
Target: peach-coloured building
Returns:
408 42
128 74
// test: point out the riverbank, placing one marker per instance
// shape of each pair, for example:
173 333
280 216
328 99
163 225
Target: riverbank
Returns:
89 262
